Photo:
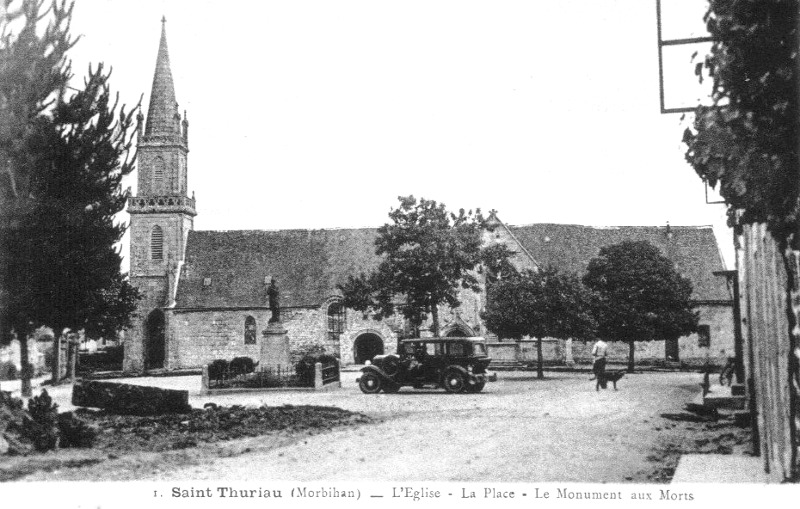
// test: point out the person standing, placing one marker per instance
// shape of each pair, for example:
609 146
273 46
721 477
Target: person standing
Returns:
599 352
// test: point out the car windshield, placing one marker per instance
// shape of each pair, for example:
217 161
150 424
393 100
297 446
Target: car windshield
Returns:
478 349
457 349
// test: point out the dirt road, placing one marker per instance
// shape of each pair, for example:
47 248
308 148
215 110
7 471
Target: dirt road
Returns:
518 429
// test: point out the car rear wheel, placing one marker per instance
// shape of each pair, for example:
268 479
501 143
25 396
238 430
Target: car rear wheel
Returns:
454 382
370 383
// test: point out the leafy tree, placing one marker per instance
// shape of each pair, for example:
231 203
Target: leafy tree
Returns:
73 267
428 255
547 303
747 141
33 72
69 152
496 263
641 297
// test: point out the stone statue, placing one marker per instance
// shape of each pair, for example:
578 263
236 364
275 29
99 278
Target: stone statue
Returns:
274 301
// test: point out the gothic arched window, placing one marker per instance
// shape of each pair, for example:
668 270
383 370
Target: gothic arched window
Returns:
335 321
249 331
157 243
158 173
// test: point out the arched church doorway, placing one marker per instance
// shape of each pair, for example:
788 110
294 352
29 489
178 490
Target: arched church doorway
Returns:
457 332
366 346
154 341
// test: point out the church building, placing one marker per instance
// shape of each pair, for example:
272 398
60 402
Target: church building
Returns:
205 293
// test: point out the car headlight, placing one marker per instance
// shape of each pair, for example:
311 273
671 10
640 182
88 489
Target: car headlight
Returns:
469 368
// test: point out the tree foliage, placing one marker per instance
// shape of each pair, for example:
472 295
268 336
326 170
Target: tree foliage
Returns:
428 255
546 303
496 263
640 295
33 73
748 140
67 154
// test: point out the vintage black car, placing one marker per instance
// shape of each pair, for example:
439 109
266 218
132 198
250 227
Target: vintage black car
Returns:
457 364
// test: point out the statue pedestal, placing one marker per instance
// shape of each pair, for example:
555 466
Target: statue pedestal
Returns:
274 347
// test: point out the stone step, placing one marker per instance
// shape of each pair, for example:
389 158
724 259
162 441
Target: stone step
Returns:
724 401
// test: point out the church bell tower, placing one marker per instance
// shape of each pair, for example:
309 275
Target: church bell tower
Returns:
162 214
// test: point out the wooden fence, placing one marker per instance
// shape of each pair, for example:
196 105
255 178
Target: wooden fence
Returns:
770 361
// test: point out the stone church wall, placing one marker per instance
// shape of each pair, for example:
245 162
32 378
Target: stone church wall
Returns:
196 338
154 295
719 318
199 337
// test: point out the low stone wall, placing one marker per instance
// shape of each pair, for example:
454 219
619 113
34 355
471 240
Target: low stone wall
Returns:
557 352
130 399
319 385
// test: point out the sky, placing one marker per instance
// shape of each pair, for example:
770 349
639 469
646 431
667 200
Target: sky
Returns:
320 113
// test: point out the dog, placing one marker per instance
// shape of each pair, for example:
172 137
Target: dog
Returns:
610 376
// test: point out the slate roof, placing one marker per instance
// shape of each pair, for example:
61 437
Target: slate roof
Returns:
308 264
693 249
162 115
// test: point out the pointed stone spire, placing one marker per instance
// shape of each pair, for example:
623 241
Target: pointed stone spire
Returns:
163 119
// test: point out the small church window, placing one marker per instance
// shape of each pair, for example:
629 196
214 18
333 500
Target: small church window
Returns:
158 172
249 331
704 336
157 243
335 321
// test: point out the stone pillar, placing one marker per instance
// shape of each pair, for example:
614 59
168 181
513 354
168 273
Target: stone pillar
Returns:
72 356
274 347
568 360
318 375
204 380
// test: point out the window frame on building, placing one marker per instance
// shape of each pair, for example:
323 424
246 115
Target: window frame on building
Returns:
159 173
250 330
335 319
704 336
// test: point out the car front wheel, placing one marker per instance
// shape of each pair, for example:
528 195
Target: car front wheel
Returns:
454 382
370 383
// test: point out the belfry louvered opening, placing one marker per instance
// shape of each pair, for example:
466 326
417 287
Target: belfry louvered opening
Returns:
157 243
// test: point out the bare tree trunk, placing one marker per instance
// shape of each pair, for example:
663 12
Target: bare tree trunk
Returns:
539 359
435 318
56 358
27 369
631 345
